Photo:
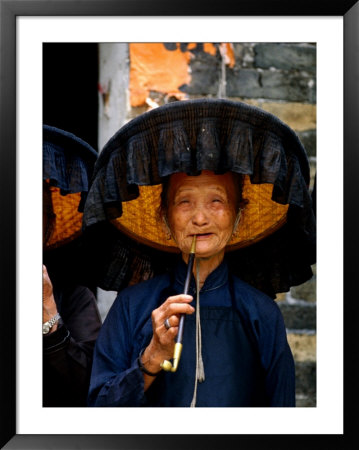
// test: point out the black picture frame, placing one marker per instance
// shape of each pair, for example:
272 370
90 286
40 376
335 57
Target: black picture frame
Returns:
9 10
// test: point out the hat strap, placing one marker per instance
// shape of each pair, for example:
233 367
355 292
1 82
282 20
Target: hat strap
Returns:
237 220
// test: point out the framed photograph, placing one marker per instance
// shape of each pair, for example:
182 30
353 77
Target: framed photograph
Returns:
25 27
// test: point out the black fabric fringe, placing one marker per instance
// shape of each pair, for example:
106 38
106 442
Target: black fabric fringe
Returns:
68 162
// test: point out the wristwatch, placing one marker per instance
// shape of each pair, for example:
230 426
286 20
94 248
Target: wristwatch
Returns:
46 327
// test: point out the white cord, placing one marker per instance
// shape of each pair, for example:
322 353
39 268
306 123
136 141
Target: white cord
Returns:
200 375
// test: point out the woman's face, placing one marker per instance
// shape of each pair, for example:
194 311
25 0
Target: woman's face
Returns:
202 205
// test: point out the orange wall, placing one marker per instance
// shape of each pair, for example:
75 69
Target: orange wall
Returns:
155 68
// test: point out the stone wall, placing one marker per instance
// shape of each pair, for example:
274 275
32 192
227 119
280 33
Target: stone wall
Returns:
277 77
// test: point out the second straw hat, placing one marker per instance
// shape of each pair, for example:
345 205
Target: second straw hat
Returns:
68 163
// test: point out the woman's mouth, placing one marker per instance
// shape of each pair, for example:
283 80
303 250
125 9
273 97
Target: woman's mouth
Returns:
203 236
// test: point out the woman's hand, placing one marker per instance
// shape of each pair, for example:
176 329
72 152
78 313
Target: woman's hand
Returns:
49 308
162 342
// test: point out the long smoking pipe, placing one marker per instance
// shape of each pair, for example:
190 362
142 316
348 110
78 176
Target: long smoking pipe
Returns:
167 365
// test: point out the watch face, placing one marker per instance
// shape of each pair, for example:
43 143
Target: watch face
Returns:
45 328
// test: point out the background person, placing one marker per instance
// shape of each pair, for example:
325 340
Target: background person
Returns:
71 321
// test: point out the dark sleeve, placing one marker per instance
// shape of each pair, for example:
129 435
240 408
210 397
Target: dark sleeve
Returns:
68 351
277 358
116 379
280 380
266 325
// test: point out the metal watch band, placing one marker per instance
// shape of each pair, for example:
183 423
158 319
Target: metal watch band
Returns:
46 327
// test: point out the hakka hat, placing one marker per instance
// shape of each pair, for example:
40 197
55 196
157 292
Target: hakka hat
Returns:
275 245
68 163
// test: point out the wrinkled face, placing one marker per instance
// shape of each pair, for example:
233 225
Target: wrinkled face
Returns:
203 205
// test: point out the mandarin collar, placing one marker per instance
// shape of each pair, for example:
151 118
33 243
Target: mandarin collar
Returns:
215 279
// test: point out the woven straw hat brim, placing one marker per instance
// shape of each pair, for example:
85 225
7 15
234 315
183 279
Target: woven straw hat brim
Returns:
68 221
259 218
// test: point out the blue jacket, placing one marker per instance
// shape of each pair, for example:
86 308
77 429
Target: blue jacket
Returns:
247 359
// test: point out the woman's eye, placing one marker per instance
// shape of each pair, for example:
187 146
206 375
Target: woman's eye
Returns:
182 202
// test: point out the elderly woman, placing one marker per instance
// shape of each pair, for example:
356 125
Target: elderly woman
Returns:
235 351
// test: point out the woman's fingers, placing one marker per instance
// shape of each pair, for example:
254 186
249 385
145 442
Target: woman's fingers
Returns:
181 298
176 309
171 310
177 304
163 337
167 336
162 342
171 321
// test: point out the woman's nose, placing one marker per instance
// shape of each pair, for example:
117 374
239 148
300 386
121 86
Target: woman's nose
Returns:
199 217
